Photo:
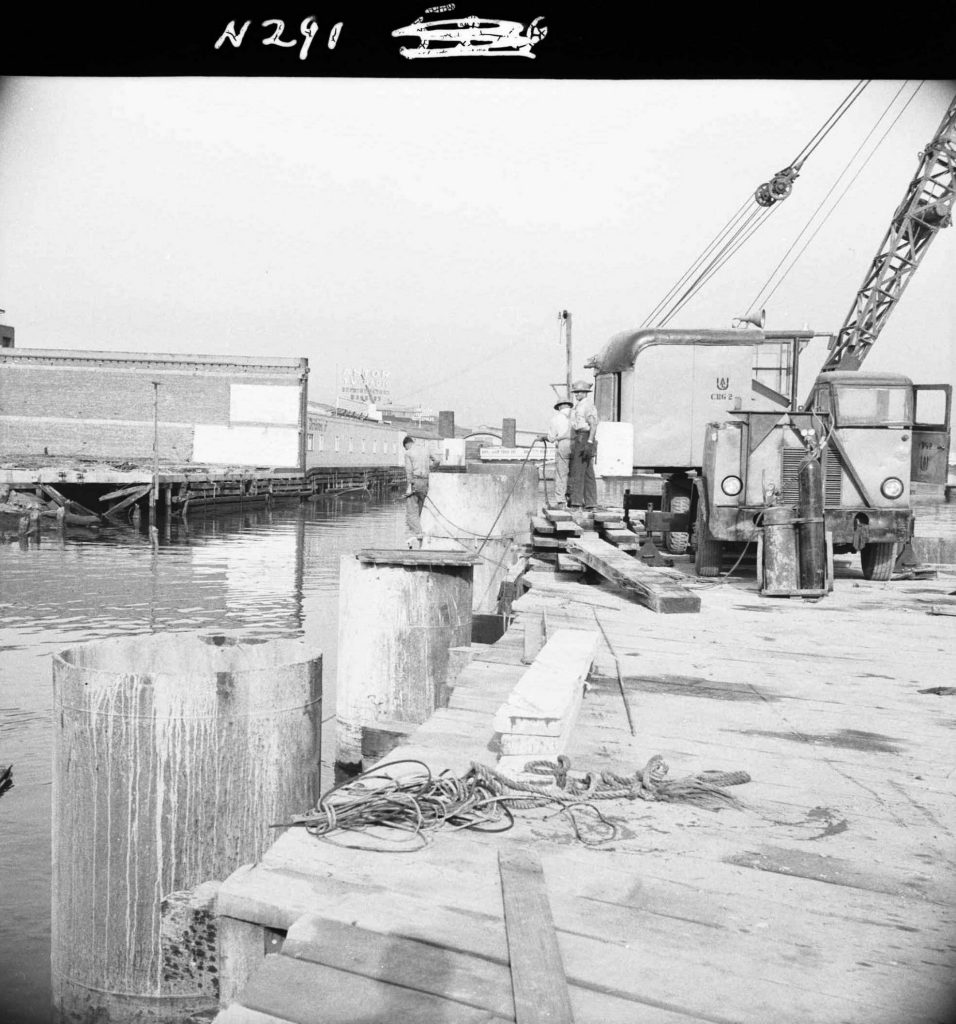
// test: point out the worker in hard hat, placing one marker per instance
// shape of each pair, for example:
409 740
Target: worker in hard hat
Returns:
582 485
559 434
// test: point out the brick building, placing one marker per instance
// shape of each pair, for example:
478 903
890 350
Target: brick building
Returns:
238 411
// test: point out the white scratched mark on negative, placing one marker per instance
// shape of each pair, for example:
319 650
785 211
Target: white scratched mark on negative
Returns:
309 29
472 37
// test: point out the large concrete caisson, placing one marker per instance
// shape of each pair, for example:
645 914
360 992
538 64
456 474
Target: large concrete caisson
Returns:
173 756
399 613
487 509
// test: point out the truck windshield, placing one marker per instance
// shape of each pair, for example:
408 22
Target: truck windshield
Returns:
873 406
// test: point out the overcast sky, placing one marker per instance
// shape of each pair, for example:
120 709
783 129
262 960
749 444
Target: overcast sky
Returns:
434 228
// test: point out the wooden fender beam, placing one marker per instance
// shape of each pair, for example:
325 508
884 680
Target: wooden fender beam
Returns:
651 588
539 714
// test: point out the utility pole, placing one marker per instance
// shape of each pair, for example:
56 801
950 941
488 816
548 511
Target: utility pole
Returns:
565 318
154 490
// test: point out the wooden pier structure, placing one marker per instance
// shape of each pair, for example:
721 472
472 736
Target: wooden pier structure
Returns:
825 896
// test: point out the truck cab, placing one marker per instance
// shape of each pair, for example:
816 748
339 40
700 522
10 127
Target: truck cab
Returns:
877 434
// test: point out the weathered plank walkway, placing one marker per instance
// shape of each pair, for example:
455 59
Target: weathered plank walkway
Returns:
653 588
827 897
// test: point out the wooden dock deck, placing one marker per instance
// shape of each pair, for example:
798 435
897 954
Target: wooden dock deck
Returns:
825 897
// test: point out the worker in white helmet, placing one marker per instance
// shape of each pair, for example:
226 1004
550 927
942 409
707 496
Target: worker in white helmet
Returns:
582 485
559 434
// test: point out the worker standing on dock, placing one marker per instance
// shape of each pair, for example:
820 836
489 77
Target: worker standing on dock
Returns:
582 486
559 434
418 465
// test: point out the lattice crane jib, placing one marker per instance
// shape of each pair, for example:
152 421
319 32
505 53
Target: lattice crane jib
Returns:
926 207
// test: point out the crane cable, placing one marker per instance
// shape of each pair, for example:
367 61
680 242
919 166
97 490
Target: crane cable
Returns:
851 97
716 240
741 226
753 223
762 299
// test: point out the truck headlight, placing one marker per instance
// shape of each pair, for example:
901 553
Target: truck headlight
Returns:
892 487
731 485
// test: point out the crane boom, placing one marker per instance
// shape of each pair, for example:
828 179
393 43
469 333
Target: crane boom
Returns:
926 207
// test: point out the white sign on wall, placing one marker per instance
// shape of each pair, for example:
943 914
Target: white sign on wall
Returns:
246 446
264 403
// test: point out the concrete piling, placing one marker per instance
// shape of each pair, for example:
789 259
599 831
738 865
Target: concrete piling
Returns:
399 614
173 756
487 511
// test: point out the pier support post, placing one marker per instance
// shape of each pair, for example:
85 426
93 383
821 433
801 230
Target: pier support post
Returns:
508 433
399 614
172 759
487 511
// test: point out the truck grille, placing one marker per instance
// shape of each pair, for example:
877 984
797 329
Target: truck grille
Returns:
832 477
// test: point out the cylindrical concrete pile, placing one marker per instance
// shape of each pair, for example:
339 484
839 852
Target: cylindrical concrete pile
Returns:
463 509
396 625
172 758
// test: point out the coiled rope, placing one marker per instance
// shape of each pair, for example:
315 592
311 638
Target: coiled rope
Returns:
483 799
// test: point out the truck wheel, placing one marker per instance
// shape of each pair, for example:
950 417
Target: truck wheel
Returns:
709 551
878 561
678 501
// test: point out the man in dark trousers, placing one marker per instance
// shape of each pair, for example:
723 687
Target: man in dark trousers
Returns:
418 464
582 486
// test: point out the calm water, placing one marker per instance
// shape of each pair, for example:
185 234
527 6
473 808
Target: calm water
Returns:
266 574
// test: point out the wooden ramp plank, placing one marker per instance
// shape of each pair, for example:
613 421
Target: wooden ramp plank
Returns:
537 973
547 698
424 967
309 993
653 589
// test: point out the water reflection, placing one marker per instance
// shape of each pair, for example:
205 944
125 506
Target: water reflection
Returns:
262 573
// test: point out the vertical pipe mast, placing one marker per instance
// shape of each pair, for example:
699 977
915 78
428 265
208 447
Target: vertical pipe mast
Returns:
926 207
565 317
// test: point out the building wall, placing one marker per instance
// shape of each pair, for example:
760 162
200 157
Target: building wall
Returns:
343 441
100 405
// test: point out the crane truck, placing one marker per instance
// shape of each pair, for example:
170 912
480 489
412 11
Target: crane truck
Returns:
730 445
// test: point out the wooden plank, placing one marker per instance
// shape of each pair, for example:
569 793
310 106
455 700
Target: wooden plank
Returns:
140 492
121 493
541 525
537 972
421 556
550 690
653 589
558 515
548 542
424 967
568 528
51 492
534 637
308 993
568 564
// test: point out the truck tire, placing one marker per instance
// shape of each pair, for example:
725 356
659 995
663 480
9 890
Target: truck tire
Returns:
709 551
678 500
878 560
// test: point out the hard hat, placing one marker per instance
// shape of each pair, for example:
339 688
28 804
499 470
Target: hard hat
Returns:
563 401
580 385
